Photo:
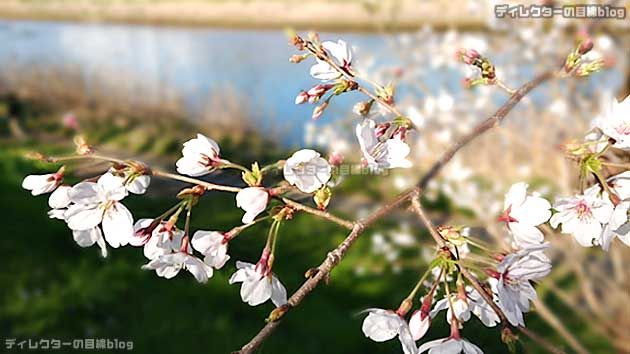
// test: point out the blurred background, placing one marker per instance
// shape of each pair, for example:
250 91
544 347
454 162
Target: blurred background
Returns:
140 77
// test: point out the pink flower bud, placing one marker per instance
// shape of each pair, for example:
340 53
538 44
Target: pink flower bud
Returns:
469 56
335 159
467 83
318 90
70 121
319 110
400 134
301 97
585 46
381 129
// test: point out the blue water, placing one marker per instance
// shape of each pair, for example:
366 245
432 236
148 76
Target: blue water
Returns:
193 61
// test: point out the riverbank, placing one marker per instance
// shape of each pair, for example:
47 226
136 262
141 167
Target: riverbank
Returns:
351 15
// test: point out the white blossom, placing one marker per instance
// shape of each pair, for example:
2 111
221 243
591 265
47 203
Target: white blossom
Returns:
450 345
213 246
158 238
522 213
253 200
94 203
259 284
200 156
616 123
460 306
583 216
87 238
168 266
340 53
379 155
514 289
41 184
307 170
382 325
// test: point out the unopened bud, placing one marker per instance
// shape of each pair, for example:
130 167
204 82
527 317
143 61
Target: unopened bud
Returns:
362 108
469 56
404 307
278 313
301 97
319 110
82 148
297 58
322 197
585 46
335 159
381 129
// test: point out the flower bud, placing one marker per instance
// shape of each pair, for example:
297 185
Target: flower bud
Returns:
404 307
362 108
585 46
381 129
296 58
322 197
335 159
319 110
277 313
301 97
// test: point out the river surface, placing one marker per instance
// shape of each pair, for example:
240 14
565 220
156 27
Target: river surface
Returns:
195 63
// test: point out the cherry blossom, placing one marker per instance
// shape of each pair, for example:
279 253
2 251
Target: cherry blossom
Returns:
307 170
168 266
340 53
253 200
473 303
98 202
382 325
583 216
450 345
522 213
460 306
42 184
514 274
377 154
616 123
259 284
158 238
213 246
200 156
137 184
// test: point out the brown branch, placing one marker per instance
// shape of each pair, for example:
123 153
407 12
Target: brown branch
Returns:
322 214
335 256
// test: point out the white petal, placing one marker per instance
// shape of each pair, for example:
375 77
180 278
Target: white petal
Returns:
40 184
83 217
139 184
117 225
59 199
278 292
516 195
381 325
112 187
84 193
